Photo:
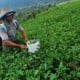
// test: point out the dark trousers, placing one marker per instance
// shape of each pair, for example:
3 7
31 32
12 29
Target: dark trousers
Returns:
0 44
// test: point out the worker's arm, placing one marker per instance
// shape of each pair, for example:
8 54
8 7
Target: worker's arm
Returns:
24 36
12 44
23 32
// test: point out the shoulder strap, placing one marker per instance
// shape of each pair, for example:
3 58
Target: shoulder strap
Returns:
15 23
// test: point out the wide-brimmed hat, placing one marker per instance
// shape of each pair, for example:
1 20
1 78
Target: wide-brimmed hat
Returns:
5 12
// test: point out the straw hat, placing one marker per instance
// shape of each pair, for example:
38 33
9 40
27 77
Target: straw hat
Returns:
4 12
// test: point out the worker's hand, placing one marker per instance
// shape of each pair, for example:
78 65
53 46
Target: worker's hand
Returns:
22 46
26 40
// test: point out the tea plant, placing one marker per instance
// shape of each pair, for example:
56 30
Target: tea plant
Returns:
58 30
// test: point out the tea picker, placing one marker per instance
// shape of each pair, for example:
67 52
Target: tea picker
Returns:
8 32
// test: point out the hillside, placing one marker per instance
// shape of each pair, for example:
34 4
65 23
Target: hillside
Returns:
14 4
58 30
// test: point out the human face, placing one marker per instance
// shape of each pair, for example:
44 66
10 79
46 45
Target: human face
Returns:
9 18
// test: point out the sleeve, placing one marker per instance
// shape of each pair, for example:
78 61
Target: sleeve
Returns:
3 32
3 36
19 27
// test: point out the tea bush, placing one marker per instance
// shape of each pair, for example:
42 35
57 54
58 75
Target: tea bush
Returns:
58 30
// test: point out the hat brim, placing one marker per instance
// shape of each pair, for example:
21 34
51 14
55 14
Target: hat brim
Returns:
7 13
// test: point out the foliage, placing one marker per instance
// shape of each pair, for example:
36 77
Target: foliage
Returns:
58 29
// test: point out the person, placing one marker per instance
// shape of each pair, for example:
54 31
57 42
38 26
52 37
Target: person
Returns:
8 29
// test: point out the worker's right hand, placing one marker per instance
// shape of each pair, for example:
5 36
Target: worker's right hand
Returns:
22 46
